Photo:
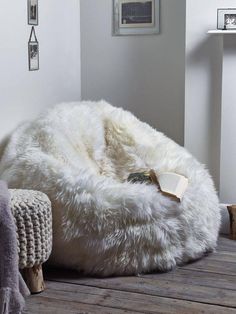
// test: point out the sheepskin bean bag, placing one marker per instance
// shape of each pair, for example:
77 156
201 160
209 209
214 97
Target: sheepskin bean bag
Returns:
80 155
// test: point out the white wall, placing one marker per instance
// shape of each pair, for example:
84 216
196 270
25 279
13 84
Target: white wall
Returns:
144 74
22 93
203 82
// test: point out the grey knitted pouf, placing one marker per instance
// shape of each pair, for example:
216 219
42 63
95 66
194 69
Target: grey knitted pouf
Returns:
33 219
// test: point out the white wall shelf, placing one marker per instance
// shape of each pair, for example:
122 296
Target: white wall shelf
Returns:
219 31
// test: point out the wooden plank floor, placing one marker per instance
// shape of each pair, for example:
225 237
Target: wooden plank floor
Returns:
205 286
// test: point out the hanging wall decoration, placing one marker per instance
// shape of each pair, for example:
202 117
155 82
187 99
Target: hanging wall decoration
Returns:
33 51
33 15
136 17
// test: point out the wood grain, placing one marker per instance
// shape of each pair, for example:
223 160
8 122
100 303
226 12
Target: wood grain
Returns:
43 304
225 244
136 302
34 278
205 286
232 217
184 289
219 267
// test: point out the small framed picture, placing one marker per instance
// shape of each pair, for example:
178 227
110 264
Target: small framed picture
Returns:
33 56
136 17
33 51
33 15
226 19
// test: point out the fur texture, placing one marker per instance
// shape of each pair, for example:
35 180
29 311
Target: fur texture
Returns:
80 154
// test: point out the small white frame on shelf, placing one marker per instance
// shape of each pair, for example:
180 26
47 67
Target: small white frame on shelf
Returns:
226 18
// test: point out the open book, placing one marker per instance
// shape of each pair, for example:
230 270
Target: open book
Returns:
173 184
170 183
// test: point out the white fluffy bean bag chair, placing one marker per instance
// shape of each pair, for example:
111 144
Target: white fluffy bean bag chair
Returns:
80 155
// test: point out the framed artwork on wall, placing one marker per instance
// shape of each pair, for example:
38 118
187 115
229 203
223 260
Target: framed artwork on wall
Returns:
226 18
33 51
33 15
136 17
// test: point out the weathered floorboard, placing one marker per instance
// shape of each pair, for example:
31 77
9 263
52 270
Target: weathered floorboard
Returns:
165 288
130 301
205 286
179 275
42 304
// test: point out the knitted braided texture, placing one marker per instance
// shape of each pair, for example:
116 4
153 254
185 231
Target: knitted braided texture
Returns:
33 219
